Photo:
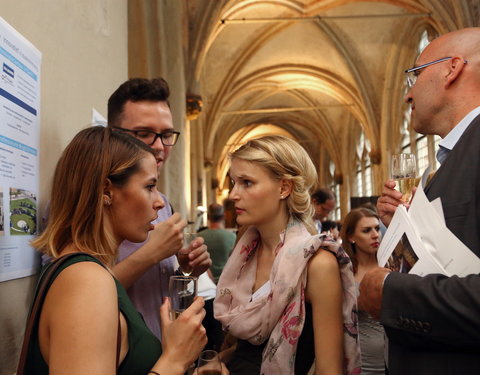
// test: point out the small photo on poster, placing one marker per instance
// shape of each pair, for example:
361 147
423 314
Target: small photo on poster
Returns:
403 257
23 212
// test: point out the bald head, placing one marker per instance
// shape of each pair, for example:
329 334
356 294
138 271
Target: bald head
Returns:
464 42
446 91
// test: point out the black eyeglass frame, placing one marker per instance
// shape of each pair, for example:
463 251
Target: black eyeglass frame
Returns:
135 132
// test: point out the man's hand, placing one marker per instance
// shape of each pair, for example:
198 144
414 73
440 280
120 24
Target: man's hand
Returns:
199 257
388 202
163 241
166 239
371 291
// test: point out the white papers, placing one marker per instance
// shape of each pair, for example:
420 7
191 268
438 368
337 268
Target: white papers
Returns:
419 242
403 251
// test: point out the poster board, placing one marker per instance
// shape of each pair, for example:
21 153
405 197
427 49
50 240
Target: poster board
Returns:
20 64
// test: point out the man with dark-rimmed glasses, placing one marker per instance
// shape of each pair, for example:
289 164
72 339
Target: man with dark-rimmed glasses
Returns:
433 322
140 107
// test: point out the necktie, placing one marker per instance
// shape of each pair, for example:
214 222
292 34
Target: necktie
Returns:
442 154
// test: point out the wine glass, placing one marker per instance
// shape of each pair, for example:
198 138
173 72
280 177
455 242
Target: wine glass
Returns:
404 172
182 254
209 363
182 291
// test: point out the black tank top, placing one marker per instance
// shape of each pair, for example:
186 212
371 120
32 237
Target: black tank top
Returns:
247 358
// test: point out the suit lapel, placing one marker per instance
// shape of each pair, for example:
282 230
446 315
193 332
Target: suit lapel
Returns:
446 167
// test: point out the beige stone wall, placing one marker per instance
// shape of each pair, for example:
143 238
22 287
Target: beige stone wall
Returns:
84 47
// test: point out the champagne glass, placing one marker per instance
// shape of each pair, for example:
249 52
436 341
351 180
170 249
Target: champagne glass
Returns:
404 172
182 291
209 363
182 254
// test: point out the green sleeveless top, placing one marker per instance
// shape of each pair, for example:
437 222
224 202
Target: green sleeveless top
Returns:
144 347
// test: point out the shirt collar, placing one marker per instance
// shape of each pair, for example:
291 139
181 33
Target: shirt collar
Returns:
452 138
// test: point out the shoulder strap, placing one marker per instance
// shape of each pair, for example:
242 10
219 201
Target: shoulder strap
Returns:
119 342
34 314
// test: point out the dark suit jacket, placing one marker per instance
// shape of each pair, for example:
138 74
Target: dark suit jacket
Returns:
433 322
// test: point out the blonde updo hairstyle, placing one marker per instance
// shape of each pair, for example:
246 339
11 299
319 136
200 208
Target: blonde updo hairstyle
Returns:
283 158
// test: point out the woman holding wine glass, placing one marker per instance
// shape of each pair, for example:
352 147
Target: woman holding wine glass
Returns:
288 296
104 192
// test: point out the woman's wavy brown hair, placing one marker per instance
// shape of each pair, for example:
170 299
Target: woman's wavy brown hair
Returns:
76 214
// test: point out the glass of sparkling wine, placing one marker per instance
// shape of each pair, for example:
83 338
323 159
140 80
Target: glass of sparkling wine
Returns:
182 291
182 255
209 363
404 172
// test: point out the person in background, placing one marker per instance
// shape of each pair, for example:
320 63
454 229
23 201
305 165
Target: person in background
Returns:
432 322
104 192
361 238
208 290
140 107
280 293
373 207
330 228
324 203
219 241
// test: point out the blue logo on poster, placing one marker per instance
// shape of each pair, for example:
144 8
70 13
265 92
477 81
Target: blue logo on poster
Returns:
8 70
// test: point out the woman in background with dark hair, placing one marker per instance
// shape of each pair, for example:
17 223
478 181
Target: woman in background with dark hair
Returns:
330 228
361 238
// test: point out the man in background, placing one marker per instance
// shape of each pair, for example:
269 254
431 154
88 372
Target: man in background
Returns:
324 203
219 241
140 107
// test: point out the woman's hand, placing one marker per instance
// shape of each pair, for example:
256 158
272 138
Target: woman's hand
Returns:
182 339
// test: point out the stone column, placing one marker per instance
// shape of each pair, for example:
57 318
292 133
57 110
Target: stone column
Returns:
156 50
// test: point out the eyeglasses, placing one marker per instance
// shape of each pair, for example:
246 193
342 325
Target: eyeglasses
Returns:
413 73
168 138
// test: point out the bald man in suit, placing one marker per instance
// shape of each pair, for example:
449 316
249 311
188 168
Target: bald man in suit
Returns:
433 322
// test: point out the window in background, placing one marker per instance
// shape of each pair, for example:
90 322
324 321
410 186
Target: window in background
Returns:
364 175
335 214
423 146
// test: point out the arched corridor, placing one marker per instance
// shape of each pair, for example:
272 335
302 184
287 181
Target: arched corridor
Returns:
328 73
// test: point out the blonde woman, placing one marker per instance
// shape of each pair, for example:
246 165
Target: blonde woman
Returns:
104 191
281 292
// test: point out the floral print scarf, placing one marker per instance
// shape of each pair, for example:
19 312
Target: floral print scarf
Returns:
279 315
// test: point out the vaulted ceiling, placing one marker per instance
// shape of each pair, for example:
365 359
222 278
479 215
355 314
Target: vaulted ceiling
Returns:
327 73
321 71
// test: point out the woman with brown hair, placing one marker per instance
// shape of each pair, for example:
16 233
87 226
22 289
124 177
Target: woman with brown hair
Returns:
104 191
361 238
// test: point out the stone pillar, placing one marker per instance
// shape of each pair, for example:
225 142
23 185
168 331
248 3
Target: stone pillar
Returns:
197 175
156 50
175 176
